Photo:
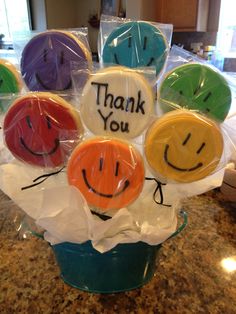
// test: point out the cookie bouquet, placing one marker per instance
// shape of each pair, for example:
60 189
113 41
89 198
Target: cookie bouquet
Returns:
108 176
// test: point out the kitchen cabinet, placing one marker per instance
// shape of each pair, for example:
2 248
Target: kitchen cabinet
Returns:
185 15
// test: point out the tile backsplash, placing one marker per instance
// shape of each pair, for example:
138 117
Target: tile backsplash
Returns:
230 65
186 38
207 39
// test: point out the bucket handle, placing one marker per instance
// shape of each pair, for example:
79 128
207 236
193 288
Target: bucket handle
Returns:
184 216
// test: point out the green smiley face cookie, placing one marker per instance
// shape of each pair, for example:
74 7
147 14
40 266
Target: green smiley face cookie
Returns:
198 87
10 82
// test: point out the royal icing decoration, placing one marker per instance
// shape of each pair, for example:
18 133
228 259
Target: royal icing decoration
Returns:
117 101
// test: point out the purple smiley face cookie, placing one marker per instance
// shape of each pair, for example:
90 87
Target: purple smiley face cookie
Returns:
46 60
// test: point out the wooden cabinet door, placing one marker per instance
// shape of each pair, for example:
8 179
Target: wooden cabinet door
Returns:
185 15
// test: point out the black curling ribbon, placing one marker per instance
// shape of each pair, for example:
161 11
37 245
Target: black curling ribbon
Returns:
43 177
158 189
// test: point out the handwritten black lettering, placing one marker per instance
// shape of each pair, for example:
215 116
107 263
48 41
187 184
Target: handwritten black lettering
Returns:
98 90
132 101
114 126
105 118
124 126
117 102
107 97
140 104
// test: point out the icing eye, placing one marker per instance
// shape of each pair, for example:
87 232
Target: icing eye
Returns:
45 55
208 110
117 168
48 122
100 164
1 82
29 122
200 148
197 90
62 57
181 92
150 62
207 96
116 59
186 140
145 43
129 42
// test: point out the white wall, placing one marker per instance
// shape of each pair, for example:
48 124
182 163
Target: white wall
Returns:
86 8
38 15
133 9
141 9
61 13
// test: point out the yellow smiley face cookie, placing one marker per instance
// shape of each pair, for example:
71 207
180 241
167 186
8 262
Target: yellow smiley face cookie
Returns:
183 146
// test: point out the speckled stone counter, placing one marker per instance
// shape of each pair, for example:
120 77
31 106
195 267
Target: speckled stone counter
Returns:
190 277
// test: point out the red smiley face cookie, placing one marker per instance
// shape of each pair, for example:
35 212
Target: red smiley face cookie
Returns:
41 129
108 172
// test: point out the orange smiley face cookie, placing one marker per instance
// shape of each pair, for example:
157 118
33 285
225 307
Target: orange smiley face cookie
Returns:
108 172
183 146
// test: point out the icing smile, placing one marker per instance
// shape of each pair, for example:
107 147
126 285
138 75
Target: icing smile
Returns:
148 64
39 80
126 184
177 168
52 151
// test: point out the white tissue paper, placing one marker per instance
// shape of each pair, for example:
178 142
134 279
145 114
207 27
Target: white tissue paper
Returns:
230 129
5 155
63 212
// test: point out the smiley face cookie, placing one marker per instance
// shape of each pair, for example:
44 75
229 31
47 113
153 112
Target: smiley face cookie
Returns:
42 129
196 86
117 101
108 172
136 44
46 60
183 146
10 82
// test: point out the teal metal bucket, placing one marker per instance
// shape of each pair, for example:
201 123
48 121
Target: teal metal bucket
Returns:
123 268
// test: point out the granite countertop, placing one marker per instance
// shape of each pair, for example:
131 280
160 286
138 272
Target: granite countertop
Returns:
189 277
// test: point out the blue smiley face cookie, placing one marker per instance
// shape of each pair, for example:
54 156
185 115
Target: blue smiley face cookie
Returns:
136 44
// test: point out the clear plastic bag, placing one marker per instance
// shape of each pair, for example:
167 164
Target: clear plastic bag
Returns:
134 43
41 129
11 83
117 101
45 58
184 146
107 171
192 83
